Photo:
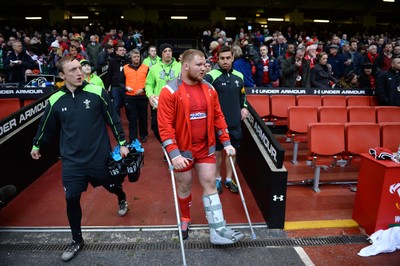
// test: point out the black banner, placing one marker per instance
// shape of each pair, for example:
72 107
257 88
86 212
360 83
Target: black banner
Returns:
262 166
308 91
17 121
25 93
267 138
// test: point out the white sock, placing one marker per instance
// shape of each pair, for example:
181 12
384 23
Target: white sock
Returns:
218 178
228 179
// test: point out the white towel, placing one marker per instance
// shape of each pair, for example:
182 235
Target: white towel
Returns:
383 241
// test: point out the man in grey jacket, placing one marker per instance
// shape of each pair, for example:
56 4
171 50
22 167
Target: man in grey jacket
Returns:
296 70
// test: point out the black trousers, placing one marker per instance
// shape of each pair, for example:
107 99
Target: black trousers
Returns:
154 124
136 112
75 181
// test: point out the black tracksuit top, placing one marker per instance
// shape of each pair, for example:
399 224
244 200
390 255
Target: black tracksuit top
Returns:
82 119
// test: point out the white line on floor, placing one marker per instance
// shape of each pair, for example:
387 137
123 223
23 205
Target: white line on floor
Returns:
303 256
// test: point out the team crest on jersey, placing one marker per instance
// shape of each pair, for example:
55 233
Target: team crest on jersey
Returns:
237 83
86 102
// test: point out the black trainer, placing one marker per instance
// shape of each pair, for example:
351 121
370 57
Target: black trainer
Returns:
122 207
72 250
185 224
231 185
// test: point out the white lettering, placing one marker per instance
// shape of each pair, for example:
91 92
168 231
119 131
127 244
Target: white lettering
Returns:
395 187
32 111
8 126
293 91
38 91
330 91
268 91
352 92
264 139
6 92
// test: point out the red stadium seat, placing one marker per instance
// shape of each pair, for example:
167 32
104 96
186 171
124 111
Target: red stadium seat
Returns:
361 114
333 100
260 103
308 100
29 101
335 114
387 114
358 101
8 106
326 144
298 119
360 137
373 101
279 106
390 135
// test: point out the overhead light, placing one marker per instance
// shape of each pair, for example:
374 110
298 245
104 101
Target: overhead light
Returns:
258 14
230 18
33 18
390 1
179 17
275 19
80 17
122 17
321 21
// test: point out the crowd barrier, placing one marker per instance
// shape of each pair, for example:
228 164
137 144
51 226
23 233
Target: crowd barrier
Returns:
16 133
260 159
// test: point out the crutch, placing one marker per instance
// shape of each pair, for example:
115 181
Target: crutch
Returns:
253 235
178 218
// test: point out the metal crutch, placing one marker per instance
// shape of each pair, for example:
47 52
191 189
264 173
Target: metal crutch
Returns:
178 218
253 235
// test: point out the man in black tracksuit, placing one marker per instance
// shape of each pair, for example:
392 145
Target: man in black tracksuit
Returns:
82 111
232 98
114 77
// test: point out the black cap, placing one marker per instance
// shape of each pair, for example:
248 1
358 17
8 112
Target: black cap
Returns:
368 65
165 46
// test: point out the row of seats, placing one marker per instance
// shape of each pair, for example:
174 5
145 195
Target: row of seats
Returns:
273 108
299 117
332 144
12 105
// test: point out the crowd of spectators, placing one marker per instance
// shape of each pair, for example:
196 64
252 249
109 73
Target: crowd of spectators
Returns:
330 60
38 52
266 57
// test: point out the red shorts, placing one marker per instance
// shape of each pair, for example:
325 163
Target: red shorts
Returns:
200 155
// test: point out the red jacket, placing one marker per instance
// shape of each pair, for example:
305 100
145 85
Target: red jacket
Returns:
174 121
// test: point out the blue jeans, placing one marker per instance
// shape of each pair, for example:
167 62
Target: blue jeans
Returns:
118 98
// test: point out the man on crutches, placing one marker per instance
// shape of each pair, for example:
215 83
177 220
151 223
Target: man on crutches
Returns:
189 114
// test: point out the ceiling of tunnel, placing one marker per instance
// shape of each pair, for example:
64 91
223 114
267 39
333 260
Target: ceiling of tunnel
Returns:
338 10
